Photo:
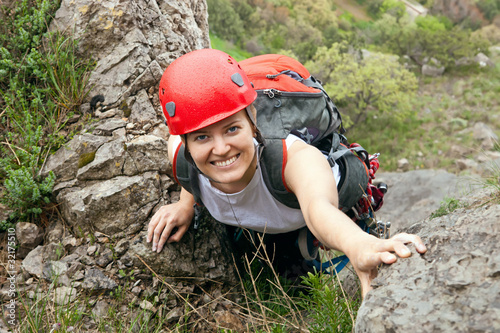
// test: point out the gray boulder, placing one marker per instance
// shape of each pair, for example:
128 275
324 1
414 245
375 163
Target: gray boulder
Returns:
36 259
414 195
432 70
118 204
203 255
454 287
133 40
29 235
75 154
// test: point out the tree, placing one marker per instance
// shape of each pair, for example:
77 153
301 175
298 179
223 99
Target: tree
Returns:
302 38
224 21
375 83
426 37
394 8
489 8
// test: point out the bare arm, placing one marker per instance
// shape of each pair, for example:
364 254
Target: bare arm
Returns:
175 217
309 176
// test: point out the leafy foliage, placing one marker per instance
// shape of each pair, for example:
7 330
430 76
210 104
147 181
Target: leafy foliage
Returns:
42 82
394 8
490 8
26 192
376 83
425 37
224 21
263 26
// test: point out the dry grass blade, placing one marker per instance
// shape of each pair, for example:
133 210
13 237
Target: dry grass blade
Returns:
171 288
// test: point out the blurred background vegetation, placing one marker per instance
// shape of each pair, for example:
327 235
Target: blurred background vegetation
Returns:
369 55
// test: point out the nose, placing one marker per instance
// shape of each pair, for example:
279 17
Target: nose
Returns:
220 145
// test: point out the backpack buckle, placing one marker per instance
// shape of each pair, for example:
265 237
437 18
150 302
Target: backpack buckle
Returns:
382 230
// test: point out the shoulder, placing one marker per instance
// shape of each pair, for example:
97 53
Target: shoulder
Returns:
174 143
306 166
299 148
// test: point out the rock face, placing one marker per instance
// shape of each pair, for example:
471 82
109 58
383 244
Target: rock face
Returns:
414 195
133 41
110 177
202 254
454 287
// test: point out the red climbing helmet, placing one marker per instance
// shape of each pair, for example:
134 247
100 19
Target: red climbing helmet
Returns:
201 88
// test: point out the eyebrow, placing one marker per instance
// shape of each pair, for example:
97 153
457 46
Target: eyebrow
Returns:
202 131
234 122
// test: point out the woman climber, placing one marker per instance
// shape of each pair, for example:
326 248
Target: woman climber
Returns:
208 100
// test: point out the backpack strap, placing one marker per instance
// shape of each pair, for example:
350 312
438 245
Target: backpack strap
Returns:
352 166
186 175
273 162
354 175
354 163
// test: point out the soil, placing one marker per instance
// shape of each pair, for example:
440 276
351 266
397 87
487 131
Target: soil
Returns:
353 8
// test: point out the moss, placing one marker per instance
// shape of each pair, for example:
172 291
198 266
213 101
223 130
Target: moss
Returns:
125 108
86 159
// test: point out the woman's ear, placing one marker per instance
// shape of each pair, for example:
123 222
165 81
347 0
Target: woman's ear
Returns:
253 110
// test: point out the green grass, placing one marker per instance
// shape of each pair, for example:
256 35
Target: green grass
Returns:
448 205
267 303
317 302
234 51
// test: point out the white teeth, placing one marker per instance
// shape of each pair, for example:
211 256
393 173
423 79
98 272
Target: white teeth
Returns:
225 163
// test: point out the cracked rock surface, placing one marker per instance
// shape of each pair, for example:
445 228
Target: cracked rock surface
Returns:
454 287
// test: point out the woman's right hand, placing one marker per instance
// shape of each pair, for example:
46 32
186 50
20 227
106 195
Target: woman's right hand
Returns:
169 217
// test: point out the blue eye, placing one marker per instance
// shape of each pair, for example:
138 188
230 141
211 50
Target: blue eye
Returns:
232 129
201 137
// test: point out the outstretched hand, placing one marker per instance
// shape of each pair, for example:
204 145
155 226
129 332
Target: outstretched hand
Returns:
367 257
169 224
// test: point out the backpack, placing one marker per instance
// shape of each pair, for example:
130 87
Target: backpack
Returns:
290 100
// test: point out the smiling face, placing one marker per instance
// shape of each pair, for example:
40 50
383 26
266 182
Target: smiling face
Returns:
225 152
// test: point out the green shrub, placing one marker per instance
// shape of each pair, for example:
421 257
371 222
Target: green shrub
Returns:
25 191
327 306
27 194
43 81
374 85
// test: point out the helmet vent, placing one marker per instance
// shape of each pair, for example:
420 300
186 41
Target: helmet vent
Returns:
236 78
170 107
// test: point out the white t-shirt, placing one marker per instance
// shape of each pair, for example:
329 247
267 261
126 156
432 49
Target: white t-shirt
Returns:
254 207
